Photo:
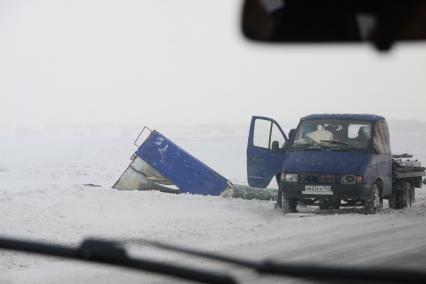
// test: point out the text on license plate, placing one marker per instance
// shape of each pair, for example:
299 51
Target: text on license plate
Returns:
318 189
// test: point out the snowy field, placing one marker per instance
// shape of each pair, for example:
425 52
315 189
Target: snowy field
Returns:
42 197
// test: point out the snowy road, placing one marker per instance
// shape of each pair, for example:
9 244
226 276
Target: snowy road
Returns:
249 229
42 198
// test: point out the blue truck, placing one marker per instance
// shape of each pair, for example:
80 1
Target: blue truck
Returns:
331 160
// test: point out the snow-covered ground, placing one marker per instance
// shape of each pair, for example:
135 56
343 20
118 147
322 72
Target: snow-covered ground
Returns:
42 197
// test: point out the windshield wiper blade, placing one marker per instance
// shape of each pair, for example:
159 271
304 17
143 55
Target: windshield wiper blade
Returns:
311 145
308 146
304 271
337 142
195 252
313 148
113 253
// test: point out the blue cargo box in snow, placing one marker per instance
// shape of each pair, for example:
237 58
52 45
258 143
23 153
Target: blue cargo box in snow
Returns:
178 166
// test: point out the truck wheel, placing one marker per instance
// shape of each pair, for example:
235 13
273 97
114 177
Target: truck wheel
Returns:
394 200
374 202
288 205
413 194
323 205
406 195
336 203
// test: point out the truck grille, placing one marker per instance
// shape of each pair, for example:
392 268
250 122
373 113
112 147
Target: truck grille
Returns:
317 179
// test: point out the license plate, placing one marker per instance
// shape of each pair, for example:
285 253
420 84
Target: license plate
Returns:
318 190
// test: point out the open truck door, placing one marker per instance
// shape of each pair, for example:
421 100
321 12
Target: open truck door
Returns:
265 151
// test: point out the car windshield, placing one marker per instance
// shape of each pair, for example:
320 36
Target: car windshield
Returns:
336 133
79 80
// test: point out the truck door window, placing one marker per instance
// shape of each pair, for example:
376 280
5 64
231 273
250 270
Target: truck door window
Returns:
262 131
276 135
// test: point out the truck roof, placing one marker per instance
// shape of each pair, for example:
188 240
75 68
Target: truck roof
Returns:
365 117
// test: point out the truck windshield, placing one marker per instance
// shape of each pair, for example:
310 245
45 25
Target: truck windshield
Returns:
333 134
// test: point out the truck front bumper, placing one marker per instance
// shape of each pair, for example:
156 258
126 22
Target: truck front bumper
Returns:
335 191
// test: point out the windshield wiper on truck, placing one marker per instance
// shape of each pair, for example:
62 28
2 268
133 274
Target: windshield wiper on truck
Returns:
308 146
323 273
114 253
338 143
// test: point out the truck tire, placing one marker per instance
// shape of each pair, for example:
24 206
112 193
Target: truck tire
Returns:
394 200
323 205
288 205
406 195
337 203
403 195
413 194
403 198
374 202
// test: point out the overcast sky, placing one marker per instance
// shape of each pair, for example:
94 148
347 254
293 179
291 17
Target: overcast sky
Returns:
183 62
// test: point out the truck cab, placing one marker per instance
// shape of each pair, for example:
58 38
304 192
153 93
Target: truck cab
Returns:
328 160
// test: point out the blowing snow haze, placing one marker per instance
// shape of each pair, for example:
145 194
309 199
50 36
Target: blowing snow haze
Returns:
182 62
78 81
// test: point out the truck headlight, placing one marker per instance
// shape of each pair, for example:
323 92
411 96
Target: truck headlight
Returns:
352 179
289 177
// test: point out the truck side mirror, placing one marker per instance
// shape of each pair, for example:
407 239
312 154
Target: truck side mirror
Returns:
291 133
275 146
424 181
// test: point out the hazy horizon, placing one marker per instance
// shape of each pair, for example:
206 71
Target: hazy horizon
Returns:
183 63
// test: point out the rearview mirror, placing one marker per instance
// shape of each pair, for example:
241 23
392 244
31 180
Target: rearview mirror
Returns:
381 22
